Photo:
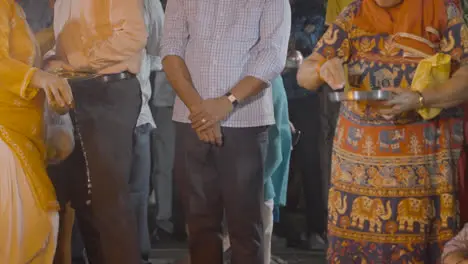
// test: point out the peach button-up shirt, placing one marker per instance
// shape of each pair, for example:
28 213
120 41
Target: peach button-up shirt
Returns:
109 36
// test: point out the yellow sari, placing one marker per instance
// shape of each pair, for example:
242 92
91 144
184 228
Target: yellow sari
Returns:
334 8
28 207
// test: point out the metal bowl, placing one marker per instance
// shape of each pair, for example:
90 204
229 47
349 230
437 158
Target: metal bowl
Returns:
360 96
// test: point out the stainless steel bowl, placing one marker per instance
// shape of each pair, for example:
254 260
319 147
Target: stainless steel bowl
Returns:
360 96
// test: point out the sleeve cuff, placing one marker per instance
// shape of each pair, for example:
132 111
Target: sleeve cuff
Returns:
263 76
172 52
266 67
26 91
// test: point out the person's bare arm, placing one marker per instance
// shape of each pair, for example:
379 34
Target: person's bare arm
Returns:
178 76
451 93
308 76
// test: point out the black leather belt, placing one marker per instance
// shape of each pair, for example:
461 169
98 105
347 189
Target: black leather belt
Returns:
115 77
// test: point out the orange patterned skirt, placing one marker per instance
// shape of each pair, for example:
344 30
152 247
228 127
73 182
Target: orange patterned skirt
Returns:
393 188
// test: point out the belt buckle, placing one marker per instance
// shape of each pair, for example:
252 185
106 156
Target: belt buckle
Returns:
114 77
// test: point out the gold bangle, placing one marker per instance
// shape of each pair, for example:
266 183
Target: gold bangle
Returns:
420 100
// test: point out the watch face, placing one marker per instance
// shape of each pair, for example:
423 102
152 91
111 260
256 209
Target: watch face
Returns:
232 98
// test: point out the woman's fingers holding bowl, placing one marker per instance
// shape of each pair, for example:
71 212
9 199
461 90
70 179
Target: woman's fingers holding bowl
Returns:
54 95
386 112
66 92
59 92
333 76
388 117
395 90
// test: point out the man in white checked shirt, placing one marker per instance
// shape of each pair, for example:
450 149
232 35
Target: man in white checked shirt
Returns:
220 56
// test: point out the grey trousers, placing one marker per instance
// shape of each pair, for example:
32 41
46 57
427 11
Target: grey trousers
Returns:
213 180
139 184
163 161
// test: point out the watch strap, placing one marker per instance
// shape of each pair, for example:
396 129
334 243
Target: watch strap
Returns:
232 99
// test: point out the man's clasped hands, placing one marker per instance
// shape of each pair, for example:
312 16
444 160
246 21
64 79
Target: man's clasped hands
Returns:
206 117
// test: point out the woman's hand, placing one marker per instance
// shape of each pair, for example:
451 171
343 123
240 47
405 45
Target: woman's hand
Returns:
57 65
57 89
332 72
404 100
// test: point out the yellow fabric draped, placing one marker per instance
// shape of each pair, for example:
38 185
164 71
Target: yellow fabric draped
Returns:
431 71
21 106
334 8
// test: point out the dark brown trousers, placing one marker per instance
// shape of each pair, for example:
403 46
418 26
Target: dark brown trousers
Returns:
105 117
213 180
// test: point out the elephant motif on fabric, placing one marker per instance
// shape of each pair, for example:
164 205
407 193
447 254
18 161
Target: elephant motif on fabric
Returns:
447 208
370 210
354 136
378 178
385 78
412 210
432 136
336 205
390 140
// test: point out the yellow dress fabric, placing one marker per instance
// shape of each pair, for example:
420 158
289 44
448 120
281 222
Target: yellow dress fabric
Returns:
334 8
431 71
21 122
